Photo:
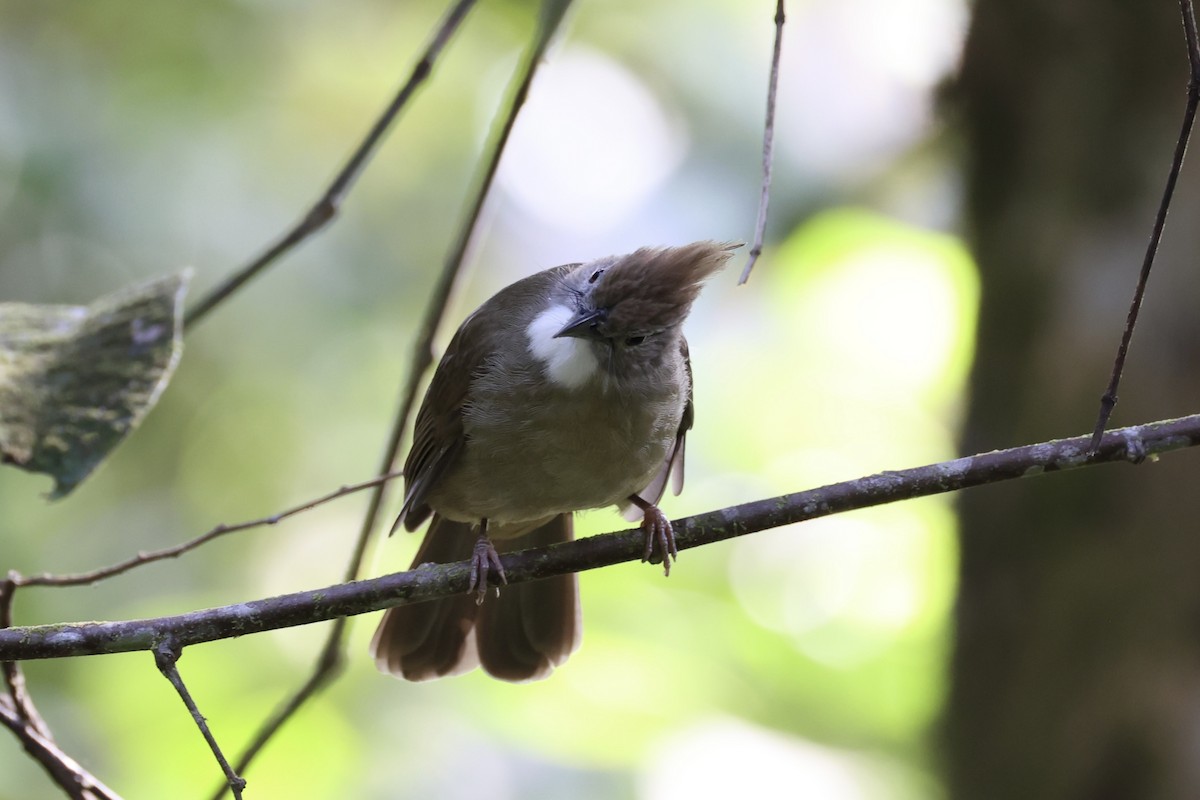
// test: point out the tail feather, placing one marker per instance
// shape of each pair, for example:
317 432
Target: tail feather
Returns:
519 636
532 627
428 640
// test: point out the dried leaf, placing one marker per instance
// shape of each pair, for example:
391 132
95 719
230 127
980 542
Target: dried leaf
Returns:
76 380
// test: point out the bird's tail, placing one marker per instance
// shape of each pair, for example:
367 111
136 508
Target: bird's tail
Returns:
522 635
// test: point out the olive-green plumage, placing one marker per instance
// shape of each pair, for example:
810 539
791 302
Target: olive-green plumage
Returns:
570 389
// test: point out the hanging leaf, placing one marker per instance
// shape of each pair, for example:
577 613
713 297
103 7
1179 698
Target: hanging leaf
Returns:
76 380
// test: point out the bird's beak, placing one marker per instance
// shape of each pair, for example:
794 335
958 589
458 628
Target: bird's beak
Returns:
583 326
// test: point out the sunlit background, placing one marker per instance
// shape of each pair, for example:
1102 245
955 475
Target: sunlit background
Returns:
137 139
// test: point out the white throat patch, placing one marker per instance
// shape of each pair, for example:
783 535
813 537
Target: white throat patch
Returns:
569 362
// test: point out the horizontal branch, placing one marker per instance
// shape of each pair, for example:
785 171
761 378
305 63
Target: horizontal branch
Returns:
1134 444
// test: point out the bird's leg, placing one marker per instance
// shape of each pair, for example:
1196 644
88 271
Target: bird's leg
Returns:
656 528
484 563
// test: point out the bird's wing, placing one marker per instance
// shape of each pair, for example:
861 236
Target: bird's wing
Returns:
672 468
676 459
438 436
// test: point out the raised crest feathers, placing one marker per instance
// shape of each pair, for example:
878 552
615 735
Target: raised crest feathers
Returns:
654 287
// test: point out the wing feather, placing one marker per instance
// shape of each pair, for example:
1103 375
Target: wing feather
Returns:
438 436
672 468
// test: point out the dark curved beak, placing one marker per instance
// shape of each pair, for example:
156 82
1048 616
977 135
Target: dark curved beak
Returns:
583 326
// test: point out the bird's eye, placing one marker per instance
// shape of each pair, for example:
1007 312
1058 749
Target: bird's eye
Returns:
634 341
596 276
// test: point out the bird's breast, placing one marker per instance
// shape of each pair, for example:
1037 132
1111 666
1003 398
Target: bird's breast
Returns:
536 447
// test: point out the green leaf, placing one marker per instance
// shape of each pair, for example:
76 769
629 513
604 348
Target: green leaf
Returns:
76 380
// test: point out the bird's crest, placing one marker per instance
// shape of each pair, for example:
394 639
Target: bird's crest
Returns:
654 287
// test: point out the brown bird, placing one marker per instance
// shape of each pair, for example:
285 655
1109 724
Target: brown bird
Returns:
568 390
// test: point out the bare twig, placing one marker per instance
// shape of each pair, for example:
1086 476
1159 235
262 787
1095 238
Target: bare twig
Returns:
1134 444
82 578
760 225
329 666
329 203
1109 400
166 656
14 679
329 663
67 774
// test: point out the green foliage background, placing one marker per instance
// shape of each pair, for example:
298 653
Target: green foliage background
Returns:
136 139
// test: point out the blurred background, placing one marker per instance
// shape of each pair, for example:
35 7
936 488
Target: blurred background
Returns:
136 140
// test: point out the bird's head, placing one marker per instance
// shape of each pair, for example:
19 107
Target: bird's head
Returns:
628 300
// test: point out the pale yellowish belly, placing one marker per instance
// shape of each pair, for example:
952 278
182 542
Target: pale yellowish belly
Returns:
565 452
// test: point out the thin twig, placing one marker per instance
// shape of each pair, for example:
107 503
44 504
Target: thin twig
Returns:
14 678
327 206
83 578
764 198
66 772
430 581
166 656
1109 400
330 662
330 665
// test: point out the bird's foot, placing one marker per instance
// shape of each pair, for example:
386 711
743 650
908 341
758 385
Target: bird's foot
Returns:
485 565
659 537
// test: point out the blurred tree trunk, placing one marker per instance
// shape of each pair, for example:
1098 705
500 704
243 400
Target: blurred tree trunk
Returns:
1076 671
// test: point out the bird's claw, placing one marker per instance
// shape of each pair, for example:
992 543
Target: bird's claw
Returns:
659 538
485 565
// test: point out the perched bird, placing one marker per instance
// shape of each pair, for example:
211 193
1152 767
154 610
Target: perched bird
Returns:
568 390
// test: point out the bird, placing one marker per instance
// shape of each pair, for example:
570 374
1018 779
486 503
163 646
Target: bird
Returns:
570 389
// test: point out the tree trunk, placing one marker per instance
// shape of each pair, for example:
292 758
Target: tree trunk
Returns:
1076 671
